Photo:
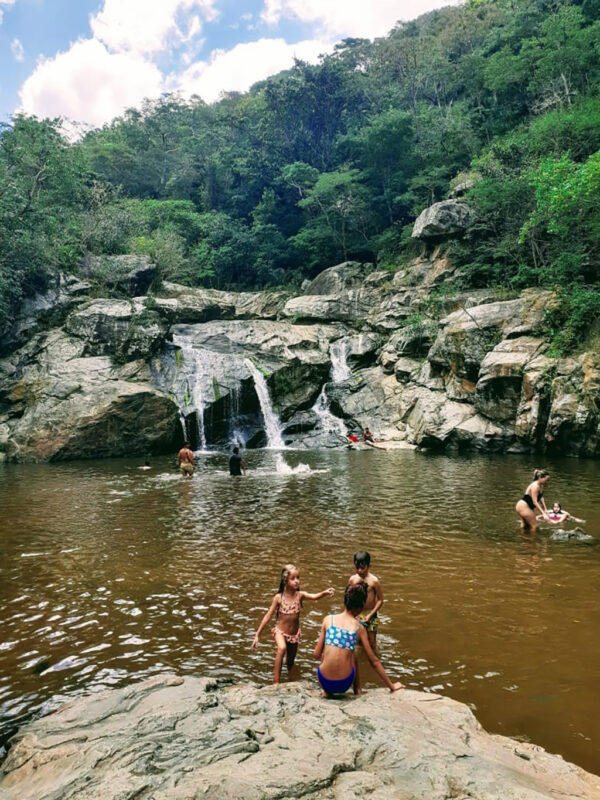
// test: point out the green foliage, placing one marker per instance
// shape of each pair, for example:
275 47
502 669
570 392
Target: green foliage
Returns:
331 161
573 319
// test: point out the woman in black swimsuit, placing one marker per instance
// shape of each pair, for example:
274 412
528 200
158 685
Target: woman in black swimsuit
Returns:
533 499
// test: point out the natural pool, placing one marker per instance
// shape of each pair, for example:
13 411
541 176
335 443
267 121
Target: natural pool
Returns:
110 574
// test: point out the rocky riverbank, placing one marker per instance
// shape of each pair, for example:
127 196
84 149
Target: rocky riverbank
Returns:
404 353
173 738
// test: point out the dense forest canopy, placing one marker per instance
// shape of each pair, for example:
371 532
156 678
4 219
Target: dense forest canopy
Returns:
333 161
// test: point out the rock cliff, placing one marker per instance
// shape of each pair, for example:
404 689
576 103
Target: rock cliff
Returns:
406 353
173 738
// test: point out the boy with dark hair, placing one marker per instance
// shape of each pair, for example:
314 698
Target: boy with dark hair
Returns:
236 465
185 459
368 618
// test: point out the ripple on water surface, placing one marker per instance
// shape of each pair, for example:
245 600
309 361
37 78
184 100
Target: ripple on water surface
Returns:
112 574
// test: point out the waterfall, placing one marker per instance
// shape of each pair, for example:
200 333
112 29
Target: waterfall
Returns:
338 352
329 422
340 371
272 425
194 389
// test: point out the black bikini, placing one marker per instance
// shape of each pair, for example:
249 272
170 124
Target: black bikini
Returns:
529 499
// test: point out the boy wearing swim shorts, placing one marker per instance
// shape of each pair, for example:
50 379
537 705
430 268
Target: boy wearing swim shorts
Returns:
369 616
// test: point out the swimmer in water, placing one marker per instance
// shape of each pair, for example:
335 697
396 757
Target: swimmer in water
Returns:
558 514
532 499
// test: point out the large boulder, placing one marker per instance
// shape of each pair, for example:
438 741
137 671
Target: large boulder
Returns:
448 218
351 307
498 390
61 404
182 304
43 310
336 280
181 738
125 329
127 274
467 335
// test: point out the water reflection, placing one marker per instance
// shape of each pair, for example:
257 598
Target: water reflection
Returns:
112 574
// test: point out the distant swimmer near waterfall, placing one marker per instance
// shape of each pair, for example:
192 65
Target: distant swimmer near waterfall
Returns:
185 458
532 499
236 465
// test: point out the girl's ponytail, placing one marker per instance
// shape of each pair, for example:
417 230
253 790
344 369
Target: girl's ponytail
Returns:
540 473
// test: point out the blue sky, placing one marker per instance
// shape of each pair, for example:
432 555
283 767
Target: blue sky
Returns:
89 60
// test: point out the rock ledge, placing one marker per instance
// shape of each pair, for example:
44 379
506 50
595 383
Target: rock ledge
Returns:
173 737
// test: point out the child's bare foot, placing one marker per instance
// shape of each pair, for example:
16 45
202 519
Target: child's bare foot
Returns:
396 686
325 695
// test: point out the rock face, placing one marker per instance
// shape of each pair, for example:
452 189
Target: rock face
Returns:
173 738
404 353
448 218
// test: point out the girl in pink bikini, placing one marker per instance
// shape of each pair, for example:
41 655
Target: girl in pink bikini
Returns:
287 604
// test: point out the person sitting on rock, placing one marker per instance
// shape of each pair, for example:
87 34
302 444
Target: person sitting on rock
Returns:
558 514
369 439
336 647
185 459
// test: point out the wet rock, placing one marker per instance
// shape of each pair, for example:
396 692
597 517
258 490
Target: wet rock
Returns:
576 535
448 218
178 738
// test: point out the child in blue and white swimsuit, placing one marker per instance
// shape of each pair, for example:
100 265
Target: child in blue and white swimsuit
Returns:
336 647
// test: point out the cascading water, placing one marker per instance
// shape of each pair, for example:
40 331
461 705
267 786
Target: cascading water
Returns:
194 390
340 371
272 424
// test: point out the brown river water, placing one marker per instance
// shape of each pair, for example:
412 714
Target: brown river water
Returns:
110 574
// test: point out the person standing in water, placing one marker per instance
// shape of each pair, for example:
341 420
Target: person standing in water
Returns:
185 459
368 618
336 647
236 465
533 499
287 605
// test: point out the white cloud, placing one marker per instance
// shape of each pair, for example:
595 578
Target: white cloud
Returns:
89 84
340 18
149 26
17 50
5 3
237 69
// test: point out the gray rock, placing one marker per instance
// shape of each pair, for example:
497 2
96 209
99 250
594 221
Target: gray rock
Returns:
352 307
336 280
498 391
43 310
467 335
182 304
448 218
126 329
65 406
576 535
129 274
180 738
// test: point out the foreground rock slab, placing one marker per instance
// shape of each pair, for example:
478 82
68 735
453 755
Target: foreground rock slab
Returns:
174 738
